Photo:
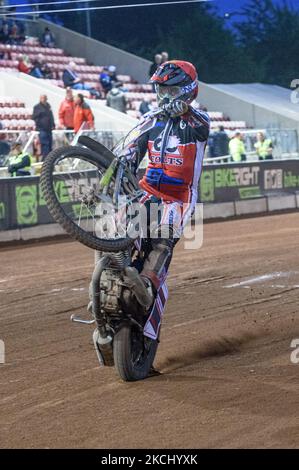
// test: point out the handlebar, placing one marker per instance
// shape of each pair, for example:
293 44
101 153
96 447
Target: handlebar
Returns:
158 111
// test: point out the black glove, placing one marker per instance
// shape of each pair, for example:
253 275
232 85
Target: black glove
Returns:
176 108
11 169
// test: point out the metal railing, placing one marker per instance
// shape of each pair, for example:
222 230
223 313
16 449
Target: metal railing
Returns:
285 144
60 138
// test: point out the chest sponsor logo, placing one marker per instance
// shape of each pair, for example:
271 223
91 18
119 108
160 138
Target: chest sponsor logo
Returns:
172 145
168 160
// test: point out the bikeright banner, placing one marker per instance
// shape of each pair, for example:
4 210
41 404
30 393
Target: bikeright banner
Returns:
22 203
234 182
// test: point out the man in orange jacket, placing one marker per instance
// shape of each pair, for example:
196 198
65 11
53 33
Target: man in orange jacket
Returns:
83 114
67 111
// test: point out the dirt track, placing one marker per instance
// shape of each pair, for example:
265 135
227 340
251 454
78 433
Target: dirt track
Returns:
227 379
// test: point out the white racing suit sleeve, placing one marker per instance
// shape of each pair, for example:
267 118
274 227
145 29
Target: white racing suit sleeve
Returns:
200 122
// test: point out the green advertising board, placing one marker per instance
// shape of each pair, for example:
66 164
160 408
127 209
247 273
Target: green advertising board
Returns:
23 205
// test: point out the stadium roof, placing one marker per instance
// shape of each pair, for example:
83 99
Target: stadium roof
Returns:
272 97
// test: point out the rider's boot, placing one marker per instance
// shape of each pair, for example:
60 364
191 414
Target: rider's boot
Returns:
157 262
140 287
145 285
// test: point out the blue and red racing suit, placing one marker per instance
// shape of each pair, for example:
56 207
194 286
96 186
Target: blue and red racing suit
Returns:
175 149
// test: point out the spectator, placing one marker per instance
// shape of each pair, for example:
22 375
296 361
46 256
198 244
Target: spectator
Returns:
4 34
264 147
19 162
220 143
4 147
46 71
67 111
165 56
112 73
2 136
210 146
116 98
72 80
155 64
44 121
107 78
5 55
40 68
24 64
47 39
145 105
15 36
22 34
237 148
69 76
36 70
82 114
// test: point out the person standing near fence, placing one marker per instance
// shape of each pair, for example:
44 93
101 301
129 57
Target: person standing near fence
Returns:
66 111
82 114
44 122
220 143
237 148
264 147
19 162
116 99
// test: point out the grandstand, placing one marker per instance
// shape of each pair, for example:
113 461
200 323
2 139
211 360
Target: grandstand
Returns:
14 114
57 60
224 108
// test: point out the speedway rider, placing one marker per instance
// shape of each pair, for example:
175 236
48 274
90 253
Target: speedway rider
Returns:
176 146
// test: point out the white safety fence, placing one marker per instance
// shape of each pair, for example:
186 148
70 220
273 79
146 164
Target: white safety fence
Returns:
282 140
28 139
250 157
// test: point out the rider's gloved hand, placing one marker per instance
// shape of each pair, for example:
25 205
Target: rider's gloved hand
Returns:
130 151
176 108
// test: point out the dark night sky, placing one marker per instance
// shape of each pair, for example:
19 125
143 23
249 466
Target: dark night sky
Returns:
222 5
236 5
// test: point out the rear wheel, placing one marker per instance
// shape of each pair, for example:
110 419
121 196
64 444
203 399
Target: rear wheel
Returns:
134 353
70 185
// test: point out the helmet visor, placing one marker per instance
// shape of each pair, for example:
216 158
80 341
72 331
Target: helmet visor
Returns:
168 92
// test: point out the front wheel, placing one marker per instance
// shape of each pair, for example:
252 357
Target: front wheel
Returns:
69 182
134 353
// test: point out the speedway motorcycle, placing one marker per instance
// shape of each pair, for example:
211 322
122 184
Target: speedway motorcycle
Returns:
92 193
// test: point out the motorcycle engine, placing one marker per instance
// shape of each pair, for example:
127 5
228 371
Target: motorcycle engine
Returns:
110 291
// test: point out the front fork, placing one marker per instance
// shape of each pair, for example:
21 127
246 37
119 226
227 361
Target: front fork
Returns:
101 338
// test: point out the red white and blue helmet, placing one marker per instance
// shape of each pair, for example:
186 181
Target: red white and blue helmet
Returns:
176 79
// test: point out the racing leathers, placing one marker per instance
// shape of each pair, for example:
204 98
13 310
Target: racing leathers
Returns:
175 147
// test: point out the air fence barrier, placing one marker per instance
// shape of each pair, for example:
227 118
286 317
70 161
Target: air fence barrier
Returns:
225 189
